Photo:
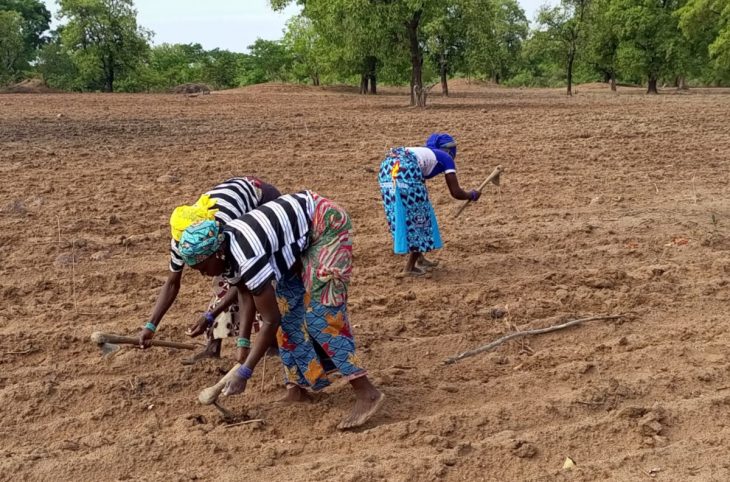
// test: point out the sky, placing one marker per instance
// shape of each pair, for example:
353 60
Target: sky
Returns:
226 24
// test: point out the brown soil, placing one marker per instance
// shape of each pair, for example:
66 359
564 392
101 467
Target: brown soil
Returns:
29 86
609 204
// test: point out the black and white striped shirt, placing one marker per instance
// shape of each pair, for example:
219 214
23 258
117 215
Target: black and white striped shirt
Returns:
234 198
265 243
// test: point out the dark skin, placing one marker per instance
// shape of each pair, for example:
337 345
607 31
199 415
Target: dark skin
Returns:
416 261
368 398
167 297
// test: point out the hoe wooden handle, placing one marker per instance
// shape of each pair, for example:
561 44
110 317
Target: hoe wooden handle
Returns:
494 175
100 338
209 395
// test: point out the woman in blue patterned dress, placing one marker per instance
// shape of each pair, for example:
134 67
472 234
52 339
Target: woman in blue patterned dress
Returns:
411 218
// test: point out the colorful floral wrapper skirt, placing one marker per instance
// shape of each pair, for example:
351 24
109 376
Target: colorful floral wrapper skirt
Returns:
315 337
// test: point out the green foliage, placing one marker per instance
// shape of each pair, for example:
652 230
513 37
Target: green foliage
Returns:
100 46
649 37
267 61
104 40
12 46
307 50
57 68
706 26
35 20
32 22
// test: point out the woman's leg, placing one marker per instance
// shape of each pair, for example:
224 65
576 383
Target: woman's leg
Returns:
302 366
329 327
424 263
411 268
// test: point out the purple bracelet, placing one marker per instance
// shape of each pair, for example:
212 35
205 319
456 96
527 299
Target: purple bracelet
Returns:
244 372
209 317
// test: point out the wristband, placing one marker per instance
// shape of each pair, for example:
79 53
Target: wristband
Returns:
151 326
243 343
244 372
209 317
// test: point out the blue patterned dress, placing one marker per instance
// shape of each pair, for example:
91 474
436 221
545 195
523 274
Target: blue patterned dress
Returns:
409 212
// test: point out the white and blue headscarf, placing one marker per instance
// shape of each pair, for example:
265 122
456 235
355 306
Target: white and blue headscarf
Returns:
442 141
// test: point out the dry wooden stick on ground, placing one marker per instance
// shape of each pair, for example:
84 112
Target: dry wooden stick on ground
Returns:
519 334
245 423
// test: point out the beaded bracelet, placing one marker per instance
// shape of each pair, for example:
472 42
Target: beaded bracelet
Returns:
244 372
151 326
243 343
209 317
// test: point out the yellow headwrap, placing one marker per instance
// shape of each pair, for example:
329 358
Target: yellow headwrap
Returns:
184 216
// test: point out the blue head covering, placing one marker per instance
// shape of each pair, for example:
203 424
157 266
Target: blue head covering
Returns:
442 141
200 241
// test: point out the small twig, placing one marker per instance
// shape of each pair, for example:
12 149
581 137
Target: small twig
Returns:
519 334
29 350
245 422
263 374
73 273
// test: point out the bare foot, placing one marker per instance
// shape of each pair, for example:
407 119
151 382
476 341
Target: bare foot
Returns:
415 272
295 394
213 350
364 409
424 263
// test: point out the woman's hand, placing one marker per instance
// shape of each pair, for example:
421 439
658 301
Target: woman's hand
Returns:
474 195
198 328
235 386
145 337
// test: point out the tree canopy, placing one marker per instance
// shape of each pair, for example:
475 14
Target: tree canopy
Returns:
99 45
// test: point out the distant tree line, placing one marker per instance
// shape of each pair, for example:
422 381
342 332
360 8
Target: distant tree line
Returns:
99 46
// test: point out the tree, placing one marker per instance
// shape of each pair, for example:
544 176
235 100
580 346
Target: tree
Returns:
56 66
221 68
446 41
564 25
35 20
104 39
706 25
267 61
306 49
176 64
603 40
496 32
650 39
11 45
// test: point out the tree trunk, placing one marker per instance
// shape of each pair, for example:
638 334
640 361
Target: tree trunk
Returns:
418 96
109 82
363 84
571 59
682 83
444 77
652 85
613 81
371 72
108 68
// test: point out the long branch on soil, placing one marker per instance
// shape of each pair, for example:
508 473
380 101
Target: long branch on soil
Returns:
245 422
24 352
73 273
520 334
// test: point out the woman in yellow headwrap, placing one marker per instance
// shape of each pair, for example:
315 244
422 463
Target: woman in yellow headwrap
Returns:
222 204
